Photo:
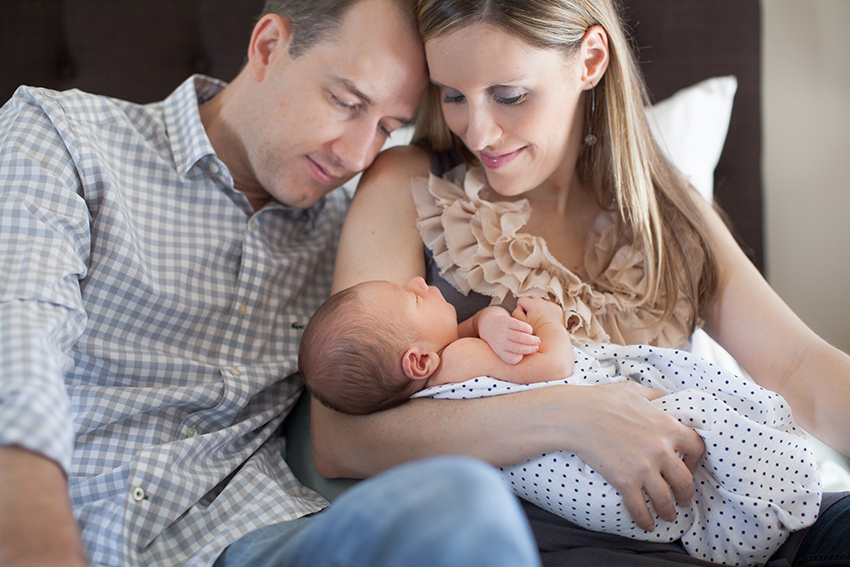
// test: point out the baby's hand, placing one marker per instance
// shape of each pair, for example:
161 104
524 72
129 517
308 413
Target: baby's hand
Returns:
537 311
509 337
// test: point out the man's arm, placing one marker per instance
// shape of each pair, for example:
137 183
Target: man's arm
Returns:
37 526
44 243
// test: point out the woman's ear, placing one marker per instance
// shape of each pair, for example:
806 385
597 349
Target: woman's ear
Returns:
594 56
418 365
269 40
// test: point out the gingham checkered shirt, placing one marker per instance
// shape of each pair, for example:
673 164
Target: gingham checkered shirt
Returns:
149 320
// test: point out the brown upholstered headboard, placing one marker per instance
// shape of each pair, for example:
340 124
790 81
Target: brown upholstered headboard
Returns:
684 41
141 51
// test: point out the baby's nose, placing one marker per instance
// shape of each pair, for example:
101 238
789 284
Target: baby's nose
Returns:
418 283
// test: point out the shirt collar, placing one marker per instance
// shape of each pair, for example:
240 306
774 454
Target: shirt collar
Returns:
189 140
190 143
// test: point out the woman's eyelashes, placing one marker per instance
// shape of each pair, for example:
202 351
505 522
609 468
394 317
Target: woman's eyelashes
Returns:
511 101
451 96
508 96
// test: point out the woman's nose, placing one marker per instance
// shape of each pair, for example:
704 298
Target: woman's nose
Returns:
481 131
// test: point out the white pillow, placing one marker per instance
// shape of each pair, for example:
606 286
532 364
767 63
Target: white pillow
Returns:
691 127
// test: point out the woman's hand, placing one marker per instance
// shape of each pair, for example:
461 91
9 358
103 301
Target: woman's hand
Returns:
636 448
509 337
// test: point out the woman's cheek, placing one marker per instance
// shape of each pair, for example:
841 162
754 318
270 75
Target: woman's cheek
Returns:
454 119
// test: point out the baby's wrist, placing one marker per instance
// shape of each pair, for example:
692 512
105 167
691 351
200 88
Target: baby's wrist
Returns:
543 320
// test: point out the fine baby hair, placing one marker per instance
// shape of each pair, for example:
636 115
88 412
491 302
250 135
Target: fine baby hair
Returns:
360 352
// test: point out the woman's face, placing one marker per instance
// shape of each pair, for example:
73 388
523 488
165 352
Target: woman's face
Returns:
515 106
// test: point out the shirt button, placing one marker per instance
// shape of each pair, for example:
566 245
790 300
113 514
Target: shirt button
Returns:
214 168
191 432
242 310
253 224
139 494
235 371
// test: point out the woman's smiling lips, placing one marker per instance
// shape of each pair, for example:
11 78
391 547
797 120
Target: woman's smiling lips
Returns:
497 161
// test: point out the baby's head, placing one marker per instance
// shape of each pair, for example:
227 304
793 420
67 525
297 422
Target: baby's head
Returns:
371 346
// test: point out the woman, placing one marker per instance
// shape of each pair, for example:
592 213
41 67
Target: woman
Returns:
545 97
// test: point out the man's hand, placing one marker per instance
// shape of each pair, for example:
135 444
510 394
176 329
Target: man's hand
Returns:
509 337
37 526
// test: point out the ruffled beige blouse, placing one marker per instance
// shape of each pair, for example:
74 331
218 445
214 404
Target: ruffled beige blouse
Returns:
479 246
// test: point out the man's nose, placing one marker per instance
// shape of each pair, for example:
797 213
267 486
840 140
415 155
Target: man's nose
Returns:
357 147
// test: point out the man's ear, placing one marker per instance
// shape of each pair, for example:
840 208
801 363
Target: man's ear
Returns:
594 56
418 365
269 40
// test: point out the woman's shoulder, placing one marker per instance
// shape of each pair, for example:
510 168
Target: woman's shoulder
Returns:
396 164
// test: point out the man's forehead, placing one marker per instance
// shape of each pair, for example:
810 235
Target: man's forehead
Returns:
377 43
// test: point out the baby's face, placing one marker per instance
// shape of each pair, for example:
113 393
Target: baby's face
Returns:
417 307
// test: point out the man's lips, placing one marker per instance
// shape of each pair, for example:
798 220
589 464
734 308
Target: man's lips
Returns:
496 161
320 173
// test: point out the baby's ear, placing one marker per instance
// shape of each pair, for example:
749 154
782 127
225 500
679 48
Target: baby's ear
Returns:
418 365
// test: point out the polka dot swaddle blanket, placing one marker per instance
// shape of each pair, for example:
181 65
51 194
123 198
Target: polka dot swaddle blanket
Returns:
756 482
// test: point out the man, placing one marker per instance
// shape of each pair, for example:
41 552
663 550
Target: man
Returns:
158 264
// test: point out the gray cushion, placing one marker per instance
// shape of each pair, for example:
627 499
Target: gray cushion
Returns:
299 453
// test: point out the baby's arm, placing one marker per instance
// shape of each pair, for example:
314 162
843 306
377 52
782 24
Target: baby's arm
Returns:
471 357
510 338
554 357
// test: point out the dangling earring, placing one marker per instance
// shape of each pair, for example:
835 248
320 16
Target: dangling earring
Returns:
590 139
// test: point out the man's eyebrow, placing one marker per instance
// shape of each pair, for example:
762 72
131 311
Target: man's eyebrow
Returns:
349 86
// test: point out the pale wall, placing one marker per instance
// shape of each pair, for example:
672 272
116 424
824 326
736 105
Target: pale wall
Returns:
806 118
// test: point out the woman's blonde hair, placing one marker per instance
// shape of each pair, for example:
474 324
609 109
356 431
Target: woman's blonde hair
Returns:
625 168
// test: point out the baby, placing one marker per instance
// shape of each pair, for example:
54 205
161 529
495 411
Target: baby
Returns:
372 346
375 345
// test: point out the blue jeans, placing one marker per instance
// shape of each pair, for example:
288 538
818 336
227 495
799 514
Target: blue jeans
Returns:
436 512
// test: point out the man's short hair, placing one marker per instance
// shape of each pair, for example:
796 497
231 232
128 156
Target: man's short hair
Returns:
314 20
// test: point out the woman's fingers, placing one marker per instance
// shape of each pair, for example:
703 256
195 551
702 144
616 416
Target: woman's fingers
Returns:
643 452
692 453
635 503
681 482
674 486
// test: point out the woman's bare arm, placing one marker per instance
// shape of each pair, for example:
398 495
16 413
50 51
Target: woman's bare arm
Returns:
613 428
380 240
749 319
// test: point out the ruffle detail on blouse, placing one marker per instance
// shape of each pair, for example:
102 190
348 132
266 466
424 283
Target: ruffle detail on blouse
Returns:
478 246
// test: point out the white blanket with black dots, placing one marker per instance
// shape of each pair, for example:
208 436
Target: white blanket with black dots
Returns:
756 482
